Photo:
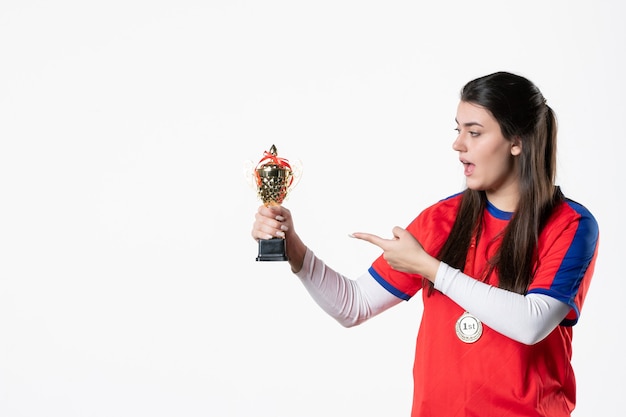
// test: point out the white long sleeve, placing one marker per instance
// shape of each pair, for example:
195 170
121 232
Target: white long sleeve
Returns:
525 318
349 301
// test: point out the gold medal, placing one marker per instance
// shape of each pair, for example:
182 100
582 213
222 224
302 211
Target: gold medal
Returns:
468 328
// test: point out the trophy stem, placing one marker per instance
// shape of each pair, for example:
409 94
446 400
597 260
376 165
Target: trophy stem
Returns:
272 250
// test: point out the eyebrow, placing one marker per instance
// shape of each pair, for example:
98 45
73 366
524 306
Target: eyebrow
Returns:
468 124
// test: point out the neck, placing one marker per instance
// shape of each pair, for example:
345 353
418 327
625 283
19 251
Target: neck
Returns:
504 199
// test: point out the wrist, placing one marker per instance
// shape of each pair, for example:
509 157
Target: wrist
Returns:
431 266
296 250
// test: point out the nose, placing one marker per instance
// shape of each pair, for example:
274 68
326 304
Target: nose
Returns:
458 144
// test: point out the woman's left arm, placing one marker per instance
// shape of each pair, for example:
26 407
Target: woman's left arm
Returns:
527 318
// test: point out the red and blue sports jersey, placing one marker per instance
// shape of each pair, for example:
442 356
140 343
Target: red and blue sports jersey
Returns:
496 375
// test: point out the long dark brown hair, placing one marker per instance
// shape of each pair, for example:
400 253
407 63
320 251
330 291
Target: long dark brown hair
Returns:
522 113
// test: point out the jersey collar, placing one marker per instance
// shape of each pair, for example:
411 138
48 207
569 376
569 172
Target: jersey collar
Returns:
497 213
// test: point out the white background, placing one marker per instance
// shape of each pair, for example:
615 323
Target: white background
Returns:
128 280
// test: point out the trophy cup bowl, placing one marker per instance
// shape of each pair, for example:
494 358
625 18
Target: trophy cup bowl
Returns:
274 179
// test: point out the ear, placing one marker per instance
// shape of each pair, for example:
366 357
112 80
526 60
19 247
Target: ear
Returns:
516 146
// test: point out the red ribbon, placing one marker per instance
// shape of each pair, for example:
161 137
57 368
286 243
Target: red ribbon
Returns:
275 159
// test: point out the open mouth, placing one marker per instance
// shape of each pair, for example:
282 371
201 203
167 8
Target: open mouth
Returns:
468 167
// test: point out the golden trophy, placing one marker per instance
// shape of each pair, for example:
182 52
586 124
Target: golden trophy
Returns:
274 178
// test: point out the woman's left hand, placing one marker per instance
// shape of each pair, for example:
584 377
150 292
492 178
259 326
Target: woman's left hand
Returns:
404 253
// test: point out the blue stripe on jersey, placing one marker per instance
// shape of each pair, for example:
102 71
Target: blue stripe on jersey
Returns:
493 210
387 285
576 261
497 213
451 196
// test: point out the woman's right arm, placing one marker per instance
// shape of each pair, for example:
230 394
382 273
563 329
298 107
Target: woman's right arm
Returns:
349 301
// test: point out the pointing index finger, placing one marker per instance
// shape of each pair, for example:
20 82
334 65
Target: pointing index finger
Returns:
368 237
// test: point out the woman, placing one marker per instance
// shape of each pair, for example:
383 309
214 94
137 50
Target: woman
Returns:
505 266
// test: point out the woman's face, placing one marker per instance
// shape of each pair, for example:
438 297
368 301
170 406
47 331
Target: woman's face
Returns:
487 156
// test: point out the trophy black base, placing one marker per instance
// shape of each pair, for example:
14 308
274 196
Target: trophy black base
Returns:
272 250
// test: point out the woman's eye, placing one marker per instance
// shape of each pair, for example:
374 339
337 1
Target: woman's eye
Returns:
457 130
473 134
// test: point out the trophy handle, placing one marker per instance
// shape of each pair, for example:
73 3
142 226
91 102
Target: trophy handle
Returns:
249 174
296 174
